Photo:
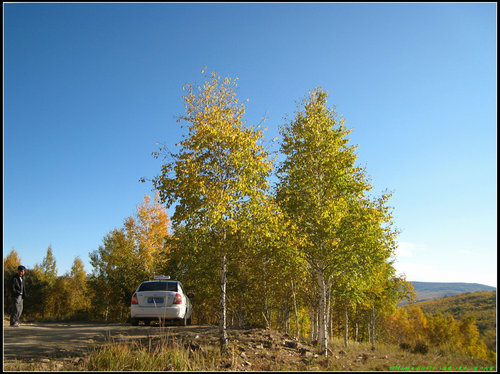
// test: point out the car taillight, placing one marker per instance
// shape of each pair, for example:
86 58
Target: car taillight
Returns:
178 298
134 300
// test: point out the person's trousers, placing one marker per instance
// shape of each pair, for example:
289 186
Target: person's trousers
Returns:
17 309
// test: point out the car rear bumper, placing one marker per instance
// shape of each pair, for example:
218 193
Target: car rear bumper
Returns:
175 312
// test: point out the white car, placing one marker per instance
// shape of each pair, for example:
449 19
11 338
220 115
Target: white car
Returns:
160 300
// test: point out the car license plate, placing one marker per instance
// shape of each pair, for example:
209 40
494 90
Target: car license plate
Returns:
155 300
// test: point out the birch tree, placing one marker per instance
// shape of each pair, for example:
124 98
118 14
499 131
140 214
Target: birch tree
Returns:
324 194
219 177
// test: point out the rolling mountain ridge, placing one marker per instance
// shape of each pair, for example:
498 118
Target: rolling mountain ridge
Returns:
434 290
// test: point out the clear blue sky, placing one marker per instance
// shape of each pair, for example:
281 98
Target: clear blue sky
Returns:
89 89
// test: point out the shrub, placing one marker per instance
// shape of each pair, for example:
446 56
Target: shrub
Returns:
421 347
405 346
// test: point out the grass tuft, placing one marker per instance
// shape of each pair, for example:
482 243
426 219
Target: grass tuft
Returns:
164 354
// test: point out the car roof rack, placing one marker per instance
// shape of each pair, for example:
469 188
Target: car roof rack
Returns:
161 277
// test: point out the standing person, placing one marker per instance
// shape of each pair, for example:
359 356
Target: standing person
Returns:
18 293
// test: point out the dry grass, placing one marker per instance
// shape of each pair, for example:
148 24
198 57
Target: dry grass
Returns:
252 350
161 355
359 356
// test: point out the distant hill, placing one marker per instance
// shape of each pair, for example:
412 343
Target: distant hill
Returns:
434 290
481 305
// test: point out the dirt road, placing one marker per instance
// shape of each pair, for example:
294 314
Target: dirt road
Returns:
55 340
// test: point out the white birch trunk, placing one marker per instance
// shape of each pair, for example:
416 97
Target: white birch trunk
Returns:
373 327
313 335
266 307
222 315
331 322
369 332
323 327
295 310
346 332
328 310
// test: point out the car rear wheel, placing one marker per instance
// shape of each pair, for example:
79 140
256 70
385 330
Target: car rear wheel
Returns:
134 322
183 321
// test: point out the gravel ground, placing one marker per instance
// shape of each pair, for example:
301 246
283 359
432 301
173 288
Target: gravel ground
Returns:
55 340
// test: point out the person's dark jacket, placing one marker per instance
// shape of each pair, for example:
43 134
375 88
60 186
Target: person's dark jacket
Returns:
17 287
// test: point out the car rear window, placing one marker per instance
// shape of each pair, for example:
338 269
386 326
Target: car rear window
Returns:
158 286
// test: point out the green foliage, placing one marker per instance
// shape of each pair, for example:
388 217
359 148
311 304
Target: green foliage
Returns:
318 179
